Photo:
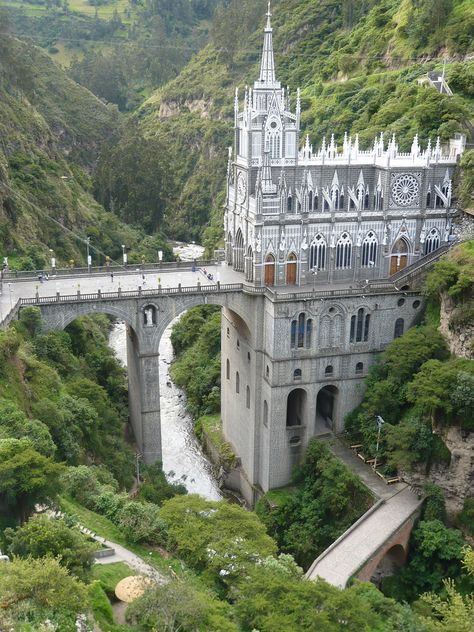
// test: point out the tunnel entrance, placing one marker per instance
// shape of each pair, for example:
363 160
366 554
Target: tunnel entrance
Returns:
325 409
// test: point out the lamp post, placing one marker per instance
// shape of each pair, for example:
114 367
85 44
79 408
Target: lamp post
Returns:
53 262
160 256
380 423
89 258
124 255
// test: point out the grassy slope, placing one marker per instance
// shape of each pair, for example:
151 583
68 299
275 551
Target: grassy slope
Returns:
360 79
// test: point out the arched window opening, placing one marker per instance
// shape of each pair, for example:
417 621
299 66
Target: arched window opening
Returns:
325 205
228 332
344 252
315 202
329 371
267 371
298 206
289 204
369 250
248 357
301 332
297 375
296 408
293 333
265 413
360 327
399 328
248 397
359 368
227 369
428 199
149 316
432 242
309 332
351 204
317 254
366 200
341 202
237 382
310 201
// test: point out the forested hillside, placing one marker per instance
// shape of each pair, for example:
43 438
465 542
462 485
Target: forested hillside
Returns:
51 133
357 64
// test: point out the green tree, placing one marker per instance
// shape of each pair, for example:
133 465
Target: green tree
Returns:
222 539
179 605
34 590
43 537
26 478
14 424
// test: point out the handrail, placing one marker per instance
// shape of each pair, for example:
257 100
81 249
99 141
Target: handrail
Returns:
164 266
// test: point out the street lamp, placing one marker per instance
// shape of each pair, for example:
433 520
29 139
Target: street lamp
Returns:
53 262
89 258
124 254
380 423
160 256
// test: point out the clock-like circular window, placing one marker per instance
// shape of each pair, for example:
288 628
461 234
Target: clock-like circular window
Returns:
405 189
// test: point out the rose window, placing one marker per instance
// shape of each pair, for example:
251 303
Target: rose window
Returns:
405 190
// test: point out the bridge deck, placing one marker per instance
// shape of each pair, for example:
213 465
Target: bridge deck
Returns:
354 548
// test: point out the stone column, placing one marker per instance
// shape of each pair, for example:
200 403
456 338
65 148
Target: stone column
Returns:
150 407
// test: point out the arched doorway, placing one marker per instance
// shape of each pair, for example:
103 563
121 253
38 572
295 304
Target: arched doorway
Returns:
239 252
270 270
399 258
291 268
296 408
325 409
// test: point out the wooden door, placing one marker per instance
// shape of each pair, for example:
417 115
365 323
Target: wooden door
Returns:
270 271
397 263
291 272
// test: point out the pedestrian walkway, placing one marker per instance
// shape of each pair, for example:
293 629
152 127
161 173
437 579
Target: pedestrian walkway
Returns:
395 505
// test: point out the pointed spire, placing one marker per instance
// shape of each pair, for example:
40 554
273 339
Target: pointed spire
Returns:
267 67
415 147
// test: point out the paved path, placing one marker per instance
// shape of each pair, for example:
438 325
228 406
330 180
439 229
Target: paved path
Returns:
124 555
348 554
363 471
396 503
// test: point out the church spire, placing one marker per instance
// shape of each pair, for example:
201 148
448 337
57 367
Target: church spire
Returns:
267 68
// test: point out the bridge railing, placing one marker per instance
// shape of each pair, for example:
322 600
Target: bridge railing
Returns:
164 266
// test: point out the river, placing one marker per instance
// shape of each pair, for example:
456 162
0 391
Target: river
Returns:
183 459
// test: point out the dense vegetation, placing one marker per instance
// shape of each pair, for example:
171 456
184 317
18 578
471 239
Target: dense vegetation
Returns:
416 386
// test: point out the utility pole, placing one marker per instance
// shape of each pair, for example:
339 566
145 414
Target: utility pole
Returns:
89 259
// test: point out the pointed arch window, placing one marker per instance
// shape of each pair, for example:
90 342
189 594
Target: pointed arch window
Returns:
369 250
428 197
227 370
378 200
432 242
341 200
315 201
317 253
248 397
301 332
399 328
360 326
237 382
344 252
366 199
310 201
289 204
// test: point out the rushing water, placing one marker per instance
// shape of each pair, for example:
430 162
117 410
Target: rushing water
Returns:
183 459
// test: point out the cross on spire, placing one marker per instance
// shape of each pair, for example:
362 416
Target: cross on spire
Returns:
267 68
